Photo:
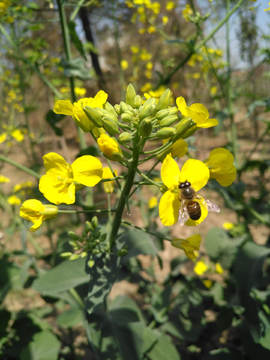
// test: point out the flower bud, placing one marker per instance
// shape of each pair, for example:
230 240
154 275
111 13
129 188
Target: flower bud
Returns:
130 95
72 243
149 107
165 133
110 109
164 100
124 107
110 148
94 222
98 131
162 113
137 101
90 263
74 257
126 117
73 236
190 131
125 137
88 227
83 254
182 127
66 254
95 251
117 108
50 212
173 110
93 115
110 125
168 120
145 127
122 252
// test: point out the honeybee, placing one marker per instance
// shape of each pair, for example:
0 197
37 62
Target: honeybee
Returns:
190 208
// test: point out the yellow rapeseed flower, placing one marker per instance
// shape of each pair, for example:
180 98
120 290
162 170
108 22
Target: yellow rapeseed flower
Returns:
268 8
108 185
124 64
151 29
200 268
193 171
3 137
75 110
221 166
79 91
208 283
17 135
33 210
186 12
4 179
170 5
14 200
219 269
198 113
109 147
62 180
178 149
134 49
228 225
153 202
189 245
165 20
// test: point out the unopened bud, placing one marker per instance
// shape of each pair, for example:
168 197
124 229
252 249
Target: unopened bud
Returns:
72 243
117 108
90 263
145 127
173 110
165 133
125 137
137 101
190 131
110 126
94 222
95 251
124 107
66 255
98 131
83 254
122 252
164 100
73 236
110 109
182 127
88 226
168 120
148 109
126 117
162 113
103 237
130 95
93 115
74 257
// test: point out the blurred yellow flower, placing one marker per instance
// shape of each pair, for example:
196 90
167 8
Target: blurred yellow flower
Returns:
213 90
151 29
196 75
208 283
268 8
219 269
145 55
186 12
9 19
146 87
61 180
79 91
134 49
221 166
34 211
14 200
170 5
3 137
153 202
124 64
17 135
4 179
190 245
228 225
165 20
142 31
200 268
108 185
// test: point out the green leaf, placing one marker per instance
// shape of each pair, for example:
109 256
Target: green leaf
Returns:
248 275
221 248
76 68
254 351
224 354
118 332
10 277
75 39
150 337
163 349
45 346
65 276
71 317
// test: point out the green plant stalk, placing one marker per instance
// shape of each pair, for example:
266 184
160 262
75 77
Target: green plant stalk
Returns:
85 211
21 167
65 35
144 230
229 91
257 143
126 190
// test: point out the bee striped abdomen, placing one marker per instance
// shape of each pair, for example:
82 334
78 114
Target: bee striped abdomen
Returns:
194 210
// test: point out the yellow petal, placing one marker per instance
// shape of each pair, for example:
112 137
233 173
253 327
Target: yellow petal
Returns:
87 170
100 99
195 172
169 208
200 268
203 215
55 165
200 109
83 122
189 245
64 107
37 224
181 104
46 187
197 115
208 123
222 168
179 148
170 173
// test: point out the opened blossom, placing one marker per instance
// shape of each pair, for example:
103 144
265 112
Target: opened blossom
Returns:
189 245
110 147
193 171
62 180
34 211
198 113
75 110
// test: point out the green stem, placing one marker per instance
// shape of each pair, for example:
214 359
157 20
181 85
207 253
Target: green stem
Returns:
257 143
144 230
85 211
77 297
21 167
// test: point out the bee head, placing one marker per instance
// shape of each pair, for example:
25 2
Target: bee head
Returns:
184 185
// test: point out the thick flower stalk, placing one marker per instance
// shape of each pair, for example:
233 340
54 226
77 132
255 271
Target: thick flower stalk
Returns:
62 180
33 210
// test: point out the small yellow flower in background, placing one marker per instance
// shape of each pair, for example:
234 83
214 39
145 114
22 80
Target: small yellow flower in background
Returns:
148 74
9 19
219 269
79 91
170 5
213 90
196 75
108 185
200 268
189 245
165 20
33 210
198 113
186 12
268 8
149 65
151 29
110 147
208 283
193 171
221 166
146 87
64 89
17 135
142 31
145 55
59 183
14 200
124 64
3 137
4 179
155 7
153 202
228 225
75 110
134 49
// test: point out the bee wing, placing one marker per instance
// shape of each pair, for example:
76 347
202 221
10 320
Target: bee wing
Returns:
183 213
211 206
